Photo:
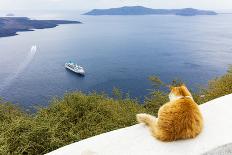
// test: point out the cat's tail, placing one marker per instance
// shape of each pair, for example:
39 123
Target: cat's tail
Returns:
147 119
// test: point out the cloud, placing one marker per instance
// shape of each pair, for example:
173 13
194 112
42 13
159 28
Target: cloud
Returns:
90 4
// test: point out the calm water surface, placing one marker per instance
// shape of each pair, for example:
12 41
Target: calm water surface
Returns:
116 51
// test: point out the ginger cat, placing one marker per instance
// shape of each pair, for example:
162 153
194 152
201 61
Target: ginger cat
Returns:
178 119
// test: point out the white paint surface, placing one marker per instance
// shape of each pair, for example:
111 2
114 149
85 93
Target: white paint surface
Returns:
136 140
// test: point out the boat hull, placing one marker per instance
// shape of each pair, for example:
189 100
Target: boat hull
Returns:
80 72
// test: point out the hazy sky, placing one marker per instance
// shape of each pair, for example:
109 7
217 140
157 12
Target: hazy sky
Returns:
90 4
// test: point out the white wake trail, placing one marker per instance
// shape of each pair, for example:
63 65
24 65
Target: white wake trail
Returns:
20 69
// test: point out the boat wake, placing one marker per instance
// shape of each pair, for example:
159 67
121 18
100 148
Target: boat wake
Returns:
20 69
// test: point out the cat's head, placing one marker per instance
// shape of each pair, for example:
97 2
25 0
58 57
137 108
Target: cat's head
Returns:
179 92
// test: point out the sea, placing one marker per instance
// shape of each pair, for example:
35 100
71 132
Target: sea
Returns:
116 52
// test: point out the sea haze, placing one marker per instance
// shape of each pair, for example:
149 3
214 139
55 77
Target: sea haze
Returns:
116 51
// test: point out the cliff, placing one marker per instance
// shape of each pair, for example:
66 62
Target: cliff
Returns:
9 26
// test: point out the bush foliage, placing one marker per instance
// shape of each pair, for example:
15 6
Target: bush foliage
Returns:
78 116
217 87
75 117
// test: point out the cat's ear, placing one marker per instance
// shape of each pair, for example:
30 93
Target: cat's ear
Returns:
184 87
185 90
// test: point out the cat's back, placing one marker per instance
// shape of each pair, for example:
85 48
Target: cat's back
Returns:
184 109
191 122
182 105
186 104
181 119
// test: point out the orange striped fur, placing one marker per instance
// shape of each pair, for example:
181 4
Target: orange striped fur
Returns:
178 119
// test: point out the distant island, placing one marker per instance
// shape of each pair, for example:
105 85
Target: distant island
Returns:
9 26
140 10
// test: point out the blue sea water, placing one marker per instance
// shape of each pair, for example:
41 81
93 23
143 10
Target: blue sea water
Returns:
116 51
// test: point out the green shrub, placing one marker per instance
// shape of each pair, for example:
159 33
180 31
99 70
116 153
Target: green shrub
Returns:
217 87
78 116
75 117
155 101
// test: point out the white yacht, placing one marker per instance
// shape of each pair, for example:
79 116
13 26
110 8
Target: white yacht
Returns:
75 68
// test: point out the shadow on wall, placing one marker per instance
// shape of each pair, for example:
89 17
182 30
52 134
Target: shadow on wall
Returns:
221 150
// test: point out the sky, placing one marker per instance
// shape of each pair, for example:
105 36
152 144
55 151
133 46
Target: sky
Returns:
92 4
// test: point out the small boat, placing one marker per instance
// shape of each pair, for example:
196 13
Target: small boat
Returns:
75 68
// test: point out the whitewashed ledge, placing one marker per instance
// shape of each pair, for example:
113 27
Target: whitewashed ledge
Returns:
216 138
